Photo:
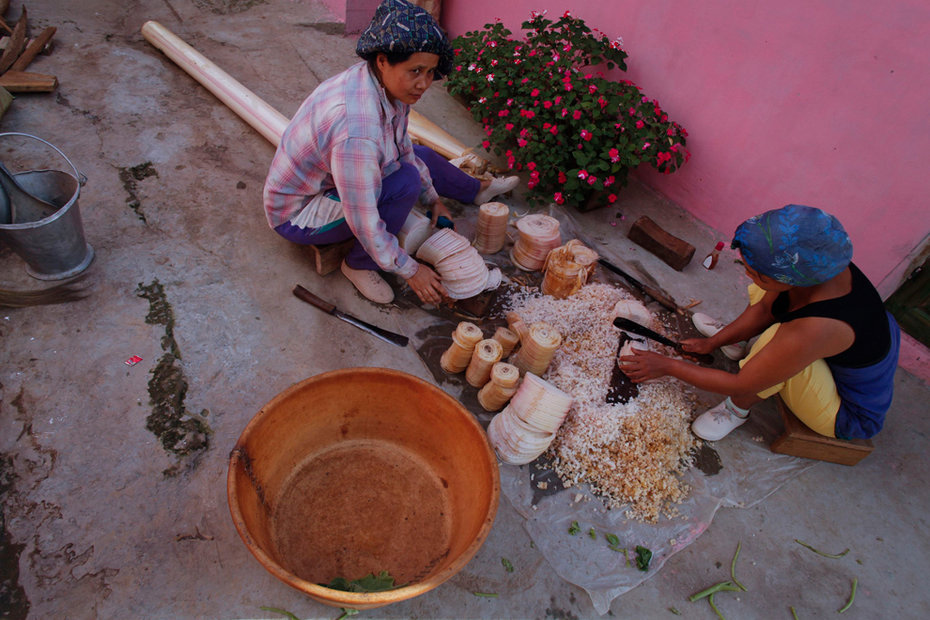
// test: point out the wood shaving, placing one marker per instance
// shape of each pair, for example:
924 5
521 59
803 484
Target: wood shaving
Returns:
630 454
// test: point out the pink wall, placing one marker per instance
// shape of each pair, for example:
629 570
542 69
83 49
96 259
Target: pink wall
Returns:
818 102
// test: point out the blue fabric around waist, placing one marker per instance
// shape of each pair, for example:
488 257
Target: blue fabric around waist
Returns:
866 392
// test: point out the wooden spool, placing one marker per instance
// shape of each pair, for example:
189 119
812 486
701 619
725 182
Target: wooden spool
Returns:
491 229
464 339
508 339
486 354
538 234
537 349
567 269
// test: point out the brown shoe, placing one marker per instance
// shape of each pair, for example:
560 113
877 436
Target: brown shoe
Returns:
369 284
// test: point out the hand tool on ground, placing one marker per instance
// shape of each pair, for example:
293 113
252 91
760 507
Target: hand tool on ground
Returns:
641 330
659 295
385 335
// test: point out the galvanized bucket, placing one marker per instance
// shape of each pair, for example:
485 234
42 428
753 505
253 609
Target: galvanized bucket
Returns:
53 247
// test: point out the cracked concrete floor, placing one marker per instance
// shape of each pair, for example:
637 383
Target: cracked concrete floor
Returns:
100 520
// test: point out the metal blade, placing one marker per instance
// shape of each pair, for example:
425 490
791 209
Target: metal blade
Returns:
377 332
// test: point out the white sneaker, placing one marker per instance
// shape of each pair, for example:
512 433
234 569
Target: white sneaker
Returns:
708 326
369 284
497 187
717 422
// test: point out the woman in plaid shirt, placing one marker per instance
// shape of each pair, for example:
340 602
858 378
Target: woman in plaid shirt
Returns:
345 166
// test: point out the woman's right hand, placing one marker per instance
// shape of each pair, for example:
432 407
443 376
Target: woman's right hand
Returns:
427 284
698 345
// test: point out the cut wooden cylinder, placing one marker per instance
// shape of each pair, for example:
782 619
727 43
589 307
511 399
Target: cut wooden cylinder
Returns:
501 387
508 339
516 324
463 272
414 232
486 354
537 349
538 234
464 339
528 424
491 229
567 269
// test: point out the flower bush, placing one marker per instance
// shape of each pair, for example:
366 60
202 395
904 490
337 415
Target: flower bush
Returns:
547 108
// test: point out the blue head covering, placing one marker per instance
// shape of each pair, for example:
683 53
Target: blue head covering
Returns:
796 245
399 26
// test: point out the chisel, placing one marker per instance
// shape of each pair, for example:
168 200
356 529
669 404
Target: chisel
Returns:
305 295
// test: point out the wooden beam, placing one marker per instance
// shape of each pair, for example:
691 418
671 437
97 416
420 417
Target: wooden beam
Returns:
27 82
32 50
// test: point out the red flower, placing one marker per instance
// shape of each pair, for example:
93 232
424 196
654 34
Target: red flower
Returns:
521 142
531 165
508 126
485 144
612 198
558 198
614 155
576 114
548 104
586 135
534 92
582 174
640 124
554 130
562 177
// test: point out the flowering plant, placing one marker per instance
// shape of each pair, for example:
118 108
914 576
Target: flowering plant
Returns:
546 108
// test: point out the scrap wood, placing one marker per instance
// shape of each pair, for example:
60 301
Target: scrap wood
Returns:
17 43
33 49
27 82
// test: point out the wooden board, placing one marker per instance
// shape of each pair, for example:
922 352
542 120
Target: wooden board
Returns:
799 440
675 252
28 82
327 258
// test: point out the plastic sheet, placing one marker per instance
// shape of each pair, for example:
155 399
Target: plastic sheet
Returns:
739 471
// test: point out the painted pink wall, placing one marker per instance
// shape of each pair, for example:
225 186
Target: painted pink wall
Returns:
818 102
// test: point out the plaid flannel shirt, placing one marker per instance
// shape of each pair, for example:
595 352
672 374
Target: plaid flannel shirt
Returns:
346 136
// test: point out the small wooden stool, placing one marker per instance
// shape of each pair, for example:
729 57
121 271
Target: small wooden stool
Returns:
327 258
799 440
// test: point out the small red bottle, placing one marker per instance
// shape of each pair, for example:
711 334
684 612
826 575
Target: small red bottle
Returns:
710 261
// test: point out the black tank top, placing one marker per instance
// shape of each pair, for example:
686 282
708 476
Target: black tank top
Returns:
862 309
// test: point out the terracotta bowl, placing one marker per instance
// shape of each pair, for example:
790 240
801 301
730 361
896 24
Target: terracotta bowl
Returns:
362 470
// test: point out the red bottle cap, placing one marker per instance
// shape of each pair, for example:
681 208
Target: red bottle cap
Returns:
719 246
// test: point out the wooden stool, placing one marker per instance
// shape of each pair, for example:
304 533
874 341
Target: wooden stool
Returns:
327 258
799 440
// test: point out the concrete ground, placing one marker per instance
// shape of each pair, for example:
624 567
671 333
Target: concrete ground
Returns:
100 521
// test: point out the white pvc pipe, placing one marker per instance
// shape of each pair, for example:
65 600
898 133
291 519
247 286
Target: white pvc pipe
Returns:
253 110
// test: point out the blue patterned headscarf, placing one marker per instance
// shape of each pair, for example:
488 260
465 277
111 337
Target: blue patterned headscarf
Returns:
796 245
399 26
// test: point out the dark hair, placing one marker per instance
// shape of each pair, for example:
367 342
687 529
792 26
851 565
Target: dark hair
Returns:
393 58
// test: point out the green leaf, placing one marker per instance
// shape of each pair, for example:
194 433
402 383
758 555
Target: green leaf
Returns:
369 583
574 528
612 539
643 557
282 612
508 566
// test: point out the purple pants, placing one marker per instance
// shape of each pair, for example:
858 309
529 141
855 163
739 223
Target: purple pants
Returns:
399 192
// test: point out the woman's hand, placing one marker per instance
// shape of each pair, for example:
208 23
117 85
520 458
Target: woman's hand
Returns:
698 345
427 284
438 208
644 365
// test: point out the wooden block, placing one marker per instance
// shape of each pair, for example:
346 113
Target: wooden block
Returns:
799 440
675 252
26 82
326 258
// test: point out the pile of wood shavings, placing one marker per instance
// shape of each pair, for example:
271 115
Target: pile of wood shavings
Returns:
630 454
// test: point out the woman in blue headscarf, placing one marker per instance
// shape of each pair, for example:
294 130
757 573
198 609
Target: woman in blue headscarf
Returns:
345 167
826 344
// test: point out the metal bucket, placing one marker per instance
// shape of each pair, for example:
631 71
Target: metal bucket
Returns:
53 247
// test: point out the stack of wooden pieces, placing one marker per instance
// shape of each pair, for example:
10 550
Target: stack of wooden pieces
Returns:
19 50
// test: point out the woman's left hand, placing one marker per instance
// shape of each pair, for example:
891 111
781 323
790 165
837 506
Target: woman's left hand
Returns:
439 208
644 365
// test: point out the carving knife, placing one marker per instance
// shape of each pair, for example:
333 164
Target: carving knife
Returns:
641 330
660 296
385 335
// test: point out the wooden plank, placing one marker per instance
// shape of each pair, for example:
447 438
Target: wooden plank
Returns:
27 82
675 252
17 43
799 440
32 50
327 258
